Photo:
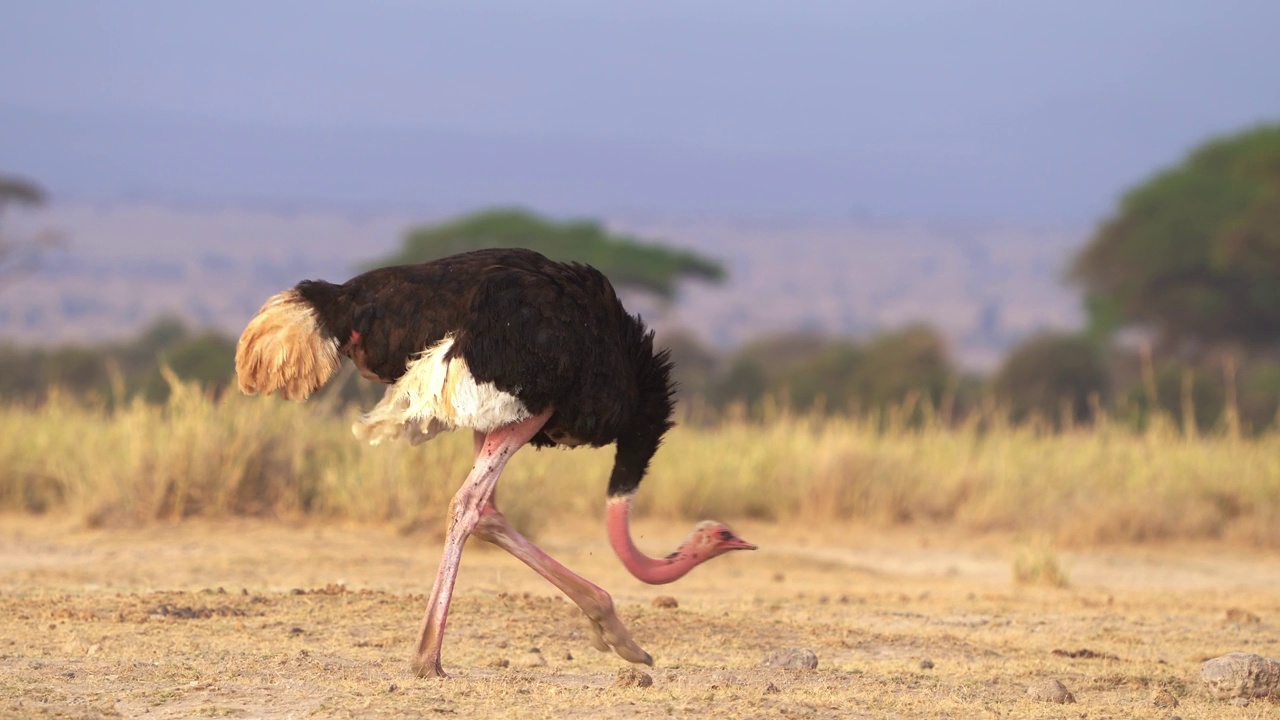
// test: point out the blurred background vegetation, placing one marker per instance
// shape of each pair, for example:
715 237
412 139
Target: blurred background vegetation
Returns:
1181 286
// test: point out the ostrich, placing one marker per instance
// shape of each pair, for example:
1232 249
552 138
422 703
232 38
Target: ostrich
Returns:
519 349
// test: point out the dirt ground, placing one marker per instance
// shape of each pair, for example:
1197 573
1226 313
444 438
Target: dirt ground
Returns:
256 619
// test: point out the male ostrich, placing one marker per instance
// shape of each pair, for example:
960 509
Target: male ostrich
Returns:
516 347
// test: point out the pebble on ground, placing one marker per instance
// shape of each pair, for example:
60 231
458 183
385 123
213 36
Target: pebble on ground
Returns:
1050 690
631 677
793 658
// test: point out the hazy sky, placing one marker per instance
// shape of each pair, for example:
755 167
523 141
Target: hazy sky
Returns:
1025 109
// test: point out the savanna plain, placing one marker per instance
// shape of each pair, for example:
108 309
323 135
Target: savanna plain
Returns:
246 558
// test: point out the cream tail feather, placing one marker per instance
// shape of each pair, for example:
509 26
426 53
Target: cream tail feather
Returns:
284 349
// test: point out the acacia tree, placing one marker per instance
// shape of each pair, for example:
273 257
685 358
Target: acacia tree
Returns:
627 261
1193 254
19 255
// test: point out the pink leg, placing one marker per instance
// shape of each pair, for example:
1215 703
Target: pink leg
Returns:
608 632
464 512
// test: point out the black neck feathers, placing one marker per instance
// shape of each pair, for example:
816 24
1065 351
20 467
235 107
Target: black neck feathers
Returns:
640 438
328 301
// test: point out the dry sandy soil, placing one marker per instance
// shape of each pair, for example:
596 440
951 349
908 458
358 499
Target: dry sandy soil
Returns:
251 619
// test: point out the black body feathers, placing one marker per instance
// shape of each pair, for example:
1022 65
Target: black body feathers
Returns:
549 333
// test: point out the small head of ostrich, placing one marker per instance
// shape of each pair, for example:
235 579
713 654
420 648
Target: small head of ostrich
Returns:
710 539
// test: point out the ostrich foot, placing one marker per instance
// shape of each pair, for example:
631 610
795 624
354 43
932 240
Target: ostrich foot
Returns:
609 634
425 668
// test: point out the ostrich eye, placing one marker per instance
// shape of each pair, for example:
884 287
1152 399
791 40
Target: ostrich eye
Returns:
726 535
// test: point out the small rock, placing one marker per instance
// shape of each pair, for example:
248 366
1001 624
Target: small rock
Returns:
499 663
393 687
926 664
793 658
503 644
1051 690
721 680
1164 699
779 577
1240 616
771 689
568 655
532 659
1242 675
666 602
630 677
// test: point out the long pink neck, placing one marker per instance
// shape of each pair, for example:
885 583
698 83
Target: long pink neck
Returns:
655 571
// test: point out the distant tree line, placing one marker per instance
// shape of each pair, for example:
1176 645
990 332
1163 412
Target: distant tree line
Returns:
117 371
1054 380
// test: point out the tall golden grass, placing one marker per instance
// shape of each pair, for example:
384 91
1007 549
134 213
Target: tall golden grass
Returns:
200 456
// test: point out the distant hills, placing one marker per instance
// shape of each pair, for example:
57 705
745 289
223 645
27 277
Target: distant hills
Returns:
986 287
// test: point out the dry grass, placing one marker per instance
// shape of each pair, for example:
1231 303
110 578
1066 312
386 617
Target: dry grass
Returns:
1036 563
248 456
